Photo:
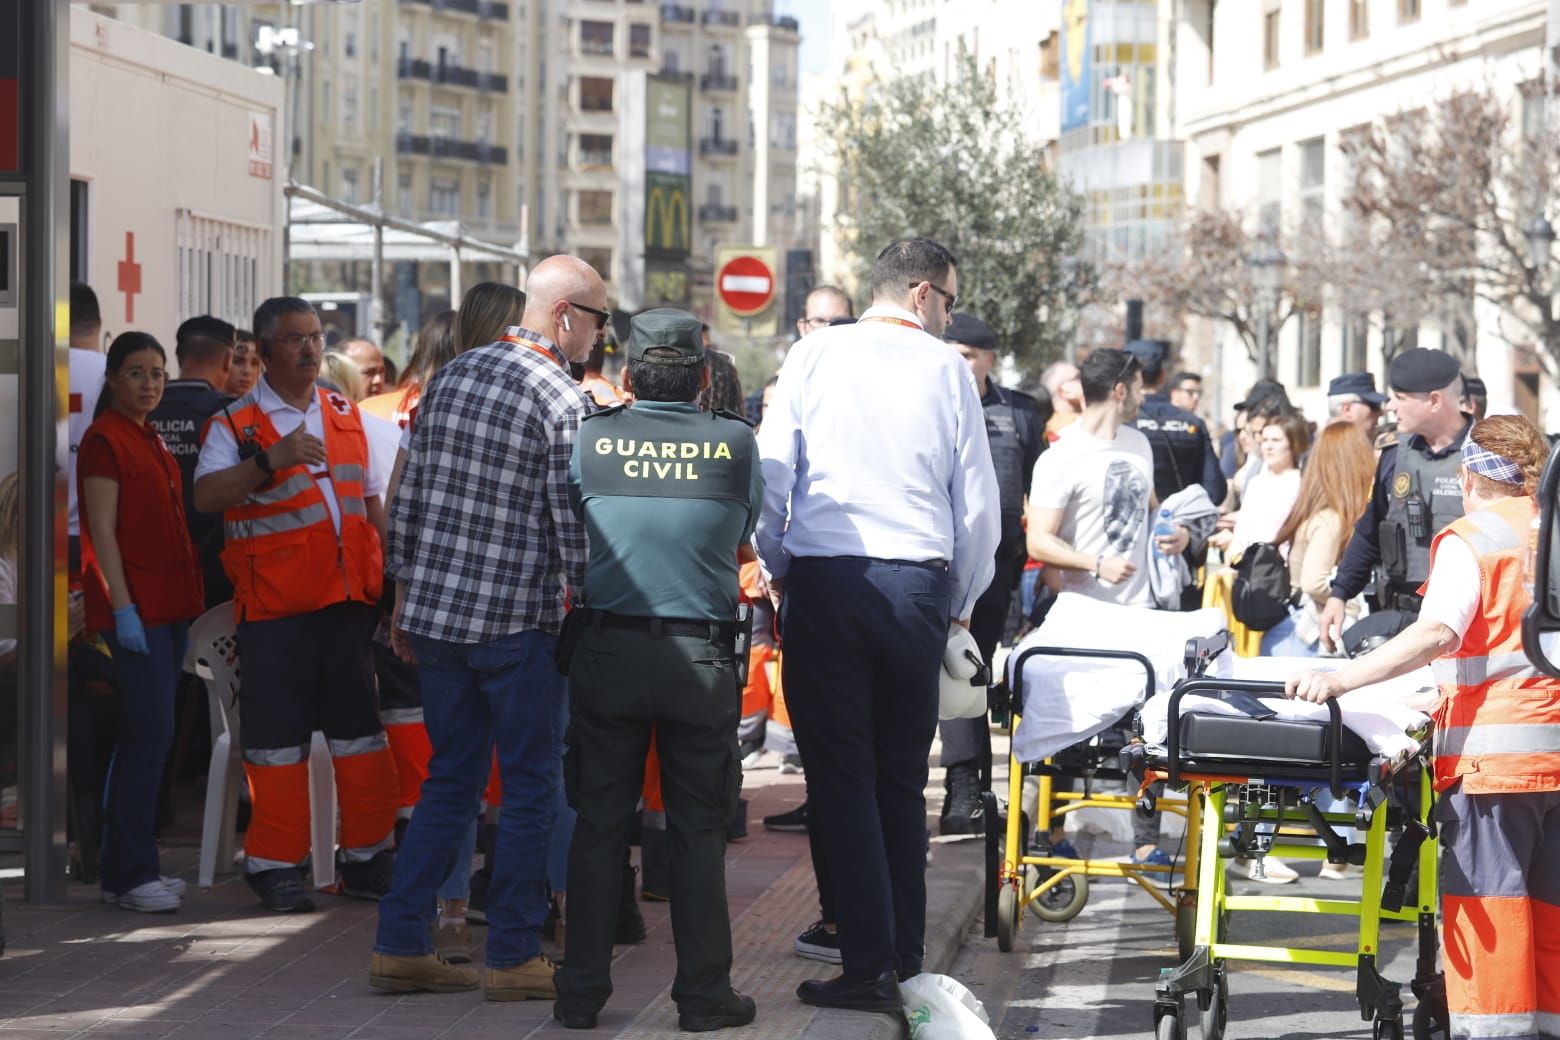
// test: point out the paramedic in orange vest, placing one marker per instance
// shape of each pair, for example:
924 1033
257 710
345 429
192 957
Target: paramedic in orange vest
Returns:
288 466
1497 745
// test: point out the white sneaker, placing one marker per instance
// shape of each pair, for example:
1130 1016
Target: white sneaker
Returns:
1338 871
150 898
1274 871
177 886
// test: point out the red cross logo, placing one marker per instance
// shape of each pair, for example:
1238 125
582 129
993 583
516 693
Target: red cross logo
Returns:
129 276
340 404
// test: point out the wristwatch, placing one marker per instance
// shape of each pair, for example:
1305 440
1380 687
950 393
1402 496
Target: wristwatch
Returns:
264 462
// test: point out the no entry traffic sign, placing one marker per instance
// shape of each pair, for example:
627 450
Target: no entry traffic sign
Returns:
746 285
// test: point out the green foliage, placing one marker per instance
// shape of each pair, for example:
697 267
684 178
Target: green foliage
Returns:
952 163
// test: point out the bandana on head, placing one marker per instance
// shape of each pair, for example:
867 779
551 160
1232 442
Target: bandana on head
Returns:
1488 464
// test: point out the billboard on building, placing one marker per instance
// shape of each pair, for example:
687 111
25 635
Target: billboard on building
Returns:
668 188
1077 63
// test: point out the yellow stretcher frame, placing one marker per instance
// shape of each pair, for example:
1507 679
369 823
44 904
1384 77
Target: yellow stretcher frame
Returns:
1012 886
1202 972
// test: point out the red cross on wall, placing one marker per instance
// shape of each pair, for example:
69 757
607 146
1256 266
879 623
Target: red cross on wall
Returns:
129 276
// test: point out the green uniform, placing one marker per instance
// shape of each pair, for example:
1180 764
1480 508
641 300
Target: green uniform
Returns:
668 494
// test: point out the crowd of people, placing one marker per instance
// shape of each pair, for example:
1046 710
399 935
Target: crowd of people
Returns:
523 600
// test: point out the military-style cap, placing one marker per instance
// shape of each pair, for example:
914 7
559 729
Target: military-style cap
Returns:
1260 391
970 331
1420 370
1151 353
669 328
1359 384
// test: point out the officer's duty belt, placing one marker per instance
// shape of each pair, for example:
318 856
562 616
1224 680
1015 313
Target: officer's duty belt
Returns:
714 631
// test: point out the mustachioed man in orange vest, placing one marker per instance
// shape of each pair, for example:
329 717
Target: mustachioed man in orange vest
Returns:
1497 745
288 465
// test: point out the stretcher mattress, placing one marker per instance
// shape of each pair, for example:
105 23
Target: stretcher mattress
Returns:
1385 717
1069 699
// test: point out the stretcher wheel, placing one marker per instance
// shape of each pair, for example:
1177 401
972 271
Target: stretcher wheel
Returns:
1007 917
1063 901
1212 1019
1170 1027
1431 1020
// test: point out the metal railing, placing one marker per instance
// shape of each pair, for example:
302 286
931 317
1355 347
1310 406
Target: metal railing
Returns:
717 214
712 82
717 146
496 9
677 13
730 19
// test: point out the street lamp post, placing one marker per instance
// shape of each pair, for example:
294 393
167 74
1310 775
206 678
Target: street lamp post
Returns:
1267 266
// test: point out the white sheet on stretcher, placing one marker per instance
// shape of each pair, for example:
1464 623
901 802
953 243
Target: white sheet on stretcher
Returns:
1069 699
1383 714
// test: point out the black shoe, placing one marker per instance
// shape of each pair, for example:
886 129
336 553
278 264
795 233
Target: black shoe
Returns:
962 812
630 929
794 821
819 944
369 879
735 1010
573 1019
879 994
281 890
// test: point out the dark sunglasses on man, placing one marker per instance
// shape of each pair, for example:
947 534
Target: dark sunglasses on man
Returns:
602 317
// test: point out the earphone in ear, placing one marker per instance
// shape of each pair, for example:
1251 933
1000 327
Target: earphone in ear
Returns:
566 324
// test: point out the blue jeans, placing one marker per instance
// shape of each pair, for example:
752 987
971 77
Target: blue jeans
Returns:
457 885
145 732
505 693
563 828
1281 641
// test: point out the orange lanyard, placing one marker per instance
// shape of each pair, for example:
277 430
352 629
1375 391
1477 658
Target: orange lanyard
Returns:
896 321
530 344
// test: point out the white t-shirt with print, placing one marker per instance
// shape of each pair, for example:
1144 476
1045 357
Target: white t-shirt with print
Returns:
1103 488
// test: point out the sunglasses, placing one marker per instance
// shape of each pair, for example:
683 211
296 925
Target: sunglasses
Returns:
602 317
952 299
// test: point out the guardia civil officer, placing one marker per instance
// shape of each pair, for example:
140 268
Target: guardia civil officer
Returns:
669 495
1183 451
1416 493
1016 436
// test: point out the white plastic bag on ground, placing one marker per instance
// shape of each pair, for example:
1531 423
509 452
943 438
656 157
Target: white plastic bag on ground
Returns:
941 1008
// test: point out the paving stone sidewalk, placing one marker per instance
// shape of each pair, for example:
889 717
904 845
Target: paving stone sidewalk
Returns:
222 969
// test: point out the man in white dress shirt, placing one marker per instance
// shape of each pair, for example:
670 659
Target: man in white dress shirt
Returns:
879 529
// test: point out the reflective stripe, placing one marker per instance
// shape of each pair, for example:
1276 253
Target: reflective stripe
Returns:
367 852
1476 1027
358 745
351 505
1476 671
401 716
255 864
1490 533
292 520
294 485
347 472
1508 739
284 756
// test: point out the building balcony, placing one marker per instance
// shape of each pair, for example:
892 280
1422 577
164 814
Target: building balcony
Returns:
596 48
677 14
718 83
413 68
450 148
725 19
595 160
686 77
413 144
496 9
717 146
717 214
783 22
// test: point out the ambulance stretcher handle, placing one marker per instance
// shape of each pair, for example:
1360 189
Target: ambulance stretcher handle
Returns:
1068 651
1218 688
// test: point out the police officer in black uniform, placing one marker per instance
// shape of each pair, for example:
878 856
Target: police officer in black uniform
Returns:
1183 451
1017 436
669 496
204 348
1416 494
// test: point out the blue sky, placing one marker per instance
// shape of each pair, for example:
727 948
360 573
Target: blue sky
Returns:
817 25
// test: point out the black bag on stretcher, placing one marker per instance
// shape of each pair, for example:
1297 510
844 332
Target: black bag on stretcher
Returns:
1261 594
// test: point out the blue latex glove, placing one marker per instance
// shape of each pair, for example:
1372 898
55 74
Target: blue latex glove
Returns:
129 631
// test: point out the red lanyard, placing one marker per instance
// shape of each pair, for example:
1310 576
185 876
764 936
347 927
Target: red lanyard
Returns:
530 344
896 321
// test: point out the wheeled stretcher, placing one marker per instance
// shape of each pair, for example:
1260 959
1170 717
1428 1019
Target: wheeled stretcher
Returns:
1072 711
1255 767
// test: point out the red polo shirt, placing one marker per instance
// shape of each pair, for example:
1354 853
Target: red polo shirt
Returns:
160 565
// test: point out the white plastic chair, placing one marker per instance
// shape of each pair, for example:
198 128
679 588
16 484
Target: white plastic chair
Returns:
214 647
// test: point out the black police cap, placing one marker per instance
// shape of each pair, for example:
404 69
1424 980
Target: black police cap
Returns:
970 331
1359 384
1420 370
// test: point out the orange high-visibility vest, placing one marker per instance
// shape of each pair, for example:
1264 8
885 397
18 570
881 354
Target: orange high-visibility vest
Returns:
283 553
1497 726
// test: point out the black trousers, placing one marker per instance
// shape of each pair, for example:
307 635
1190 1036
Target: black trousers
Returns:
863 643
621 684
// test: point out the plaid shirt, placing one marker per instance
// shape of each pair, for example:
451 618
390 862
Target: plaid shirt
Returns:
481 530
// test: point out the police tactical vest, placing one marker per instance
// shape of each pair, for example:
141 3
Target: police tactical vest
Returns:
1178 450
648 453
1424 496
1007 452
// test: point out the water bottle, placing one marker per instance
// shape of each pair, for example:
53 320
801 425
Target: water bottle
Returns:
1164 527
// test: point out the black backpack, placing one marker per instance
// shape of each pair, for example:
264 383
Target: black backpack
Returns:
1261 595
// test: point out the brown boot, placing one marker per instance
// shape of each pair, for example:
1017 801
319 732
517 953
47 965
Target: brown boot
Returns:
532 980
429 973
452 941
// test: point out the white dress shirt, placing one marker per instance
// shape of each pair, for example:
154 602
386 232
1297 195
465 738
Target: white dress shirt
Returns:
874 444
219 451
